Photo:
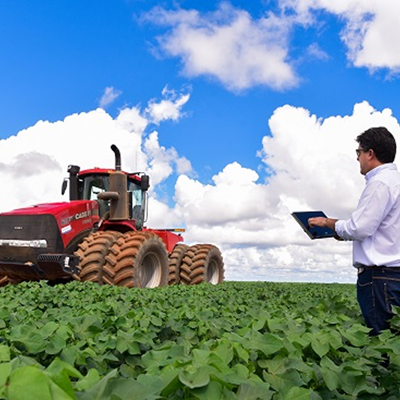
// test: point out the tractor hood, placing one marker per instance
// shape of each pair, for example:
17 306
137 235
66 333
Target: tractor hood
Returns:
71 218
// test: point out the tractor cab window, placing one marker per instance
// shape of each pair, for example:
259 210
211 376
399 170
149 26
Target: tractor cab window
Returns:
92 186
137 202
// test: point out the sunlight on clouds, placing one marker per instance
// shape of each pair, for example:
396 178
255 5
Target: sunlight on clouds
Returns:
310 161
324 261
162 161
234 197
169 108
314 167
370 39
109 96
241 51
41 154
321 161
130 119
369 32
228 45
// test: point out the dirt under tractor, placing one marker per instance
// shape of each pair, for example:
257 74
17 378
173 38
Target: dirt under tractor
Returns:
99 235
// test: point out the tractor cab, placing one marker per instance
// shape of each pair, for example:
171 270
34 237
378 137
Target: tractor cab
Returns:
90 184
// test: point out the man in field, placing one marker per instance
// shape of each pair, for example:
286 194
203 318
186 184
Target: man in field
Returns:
374 228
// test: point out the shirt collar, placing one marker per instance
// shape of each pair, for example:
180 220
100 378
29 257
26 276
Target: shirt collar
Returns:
376 170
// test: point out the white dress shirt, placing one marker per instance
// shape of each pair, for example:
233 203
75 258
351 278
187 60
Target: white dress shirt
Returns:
374 227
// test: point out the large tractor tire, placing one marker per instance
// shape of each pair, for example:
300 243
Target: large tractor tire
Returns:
139 259
3 280
185 270
175 261
202 263
92 252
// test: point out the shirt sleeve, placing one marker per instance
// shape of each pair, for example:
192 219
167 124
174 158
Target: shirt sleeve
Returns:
372 208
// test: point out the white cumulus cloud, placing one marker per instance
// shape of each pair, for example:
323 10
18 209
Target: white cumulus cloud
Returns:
109 96
370 32
34 162
169 108
228 45
311 164
241 51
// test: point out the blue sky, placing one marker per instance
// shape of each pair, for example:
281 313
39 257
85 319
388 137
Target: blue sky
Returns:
222 98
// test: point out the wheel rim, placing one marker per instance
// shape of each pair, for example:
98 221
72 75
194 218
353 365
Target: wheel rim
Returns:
213 272
150 271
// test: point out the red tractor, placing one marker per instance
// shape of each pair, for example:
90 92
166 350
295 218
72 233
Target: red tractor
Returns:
100 236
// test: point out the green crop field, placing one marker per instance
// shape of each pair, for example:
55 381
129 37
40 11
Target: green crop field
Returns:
237 340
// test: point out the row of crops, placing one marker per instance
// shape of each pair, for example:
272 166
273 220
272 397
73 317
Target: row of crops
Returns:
237 340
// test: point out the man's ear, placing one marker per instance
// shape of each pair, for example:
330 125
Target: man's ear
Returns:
371 154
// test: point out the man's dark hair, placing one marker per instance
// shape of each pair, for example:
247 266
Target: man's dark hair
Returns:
381 141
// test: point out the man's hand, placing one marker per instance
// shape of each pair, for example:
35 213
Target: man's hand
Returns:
318 221
324 223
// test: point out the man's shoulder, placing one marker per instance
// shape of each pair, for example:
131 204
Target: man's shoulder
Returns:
385 175
383 171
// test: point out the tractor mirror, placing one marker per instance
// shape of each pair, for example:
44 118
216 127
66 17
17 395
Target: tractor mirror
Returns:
145 183
64 186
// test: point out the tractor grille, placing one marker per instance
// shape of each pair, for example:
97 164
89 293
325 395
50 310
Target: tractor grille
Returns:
24 237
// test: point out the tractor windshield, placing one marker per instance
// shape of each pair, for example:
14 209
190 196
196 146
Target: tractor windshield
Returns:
91 185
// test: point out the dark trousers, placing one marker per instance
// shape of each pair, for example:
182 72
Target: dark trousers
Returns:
377 290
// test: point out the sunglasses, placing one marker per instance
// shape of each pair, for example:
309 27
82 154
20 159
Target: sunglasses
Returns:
358 151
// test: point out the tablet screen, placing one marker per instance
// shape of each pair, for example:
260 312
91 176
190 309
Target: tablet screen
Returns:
316 232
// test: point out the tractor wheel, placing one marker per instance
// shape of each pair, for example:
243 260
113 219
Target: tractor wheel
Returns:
92 252
175 261
185 270
139 259
3 280
203 263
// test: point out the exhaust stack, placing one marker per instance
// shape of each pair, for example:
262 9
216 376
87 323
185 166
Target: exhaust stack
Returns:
118 194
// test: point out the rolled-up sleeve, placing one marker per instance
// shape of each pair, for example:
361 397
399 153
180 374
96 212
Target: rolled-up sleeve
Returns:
340 229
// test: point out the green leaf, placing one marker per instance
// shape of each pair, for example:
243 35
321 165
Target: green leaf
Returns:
285 381
194 377
69 355
4 353
241 353
48 329
237 374
170 377
224 351
298 393
212 391
56 344
29 337
144 388
88 381
59 394
60 373
320 346
331 373
156 321
251 390
201 356
101 390
155 358
5 370
357 335
268 343
28 383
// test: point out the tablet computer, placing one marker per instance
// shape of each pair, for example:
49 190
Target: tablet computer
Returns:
316 232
